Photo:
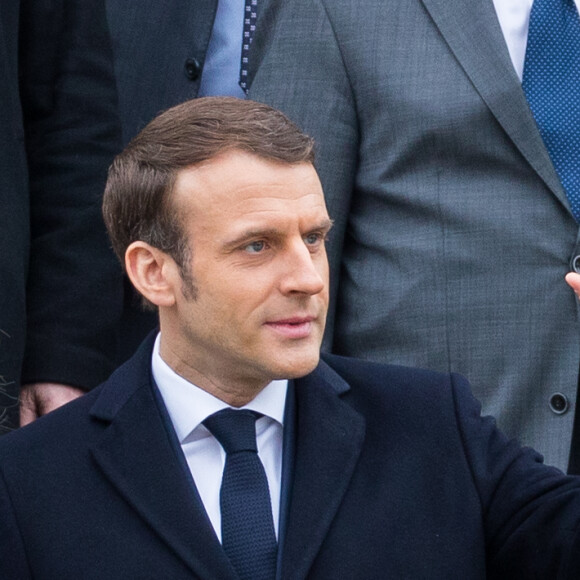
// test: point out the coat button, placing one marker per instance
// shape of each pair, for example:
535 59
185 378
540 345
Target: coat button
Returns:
576 264
192 69
559 403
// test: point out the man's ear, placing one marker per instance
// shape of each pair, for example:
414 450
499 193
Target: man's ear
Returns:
153 273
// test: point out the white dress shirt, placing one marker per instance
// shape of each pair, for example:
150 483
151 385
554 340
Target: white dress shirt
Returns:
188 406
514 18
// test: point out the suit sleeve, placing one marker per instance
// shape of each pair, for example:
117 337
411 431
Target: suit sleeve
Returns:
531 510
296 66
72 133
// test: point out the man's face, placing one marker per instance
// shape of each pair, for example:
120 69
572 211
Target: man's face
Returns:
256 230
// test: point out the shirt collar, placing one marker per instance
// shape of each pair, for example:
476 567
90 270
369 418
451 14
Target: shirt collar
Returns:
189 405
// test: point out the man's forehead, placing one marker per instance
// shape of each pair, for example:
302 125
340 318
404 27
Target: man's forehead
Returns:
278 221
236 177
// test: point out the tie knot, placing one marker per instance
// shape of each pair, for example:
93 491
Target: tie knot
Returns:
235 430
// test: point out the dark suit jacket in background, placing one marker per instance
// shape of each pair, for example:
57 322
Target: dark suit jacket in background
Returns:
159 51
452 232
60 289
395 476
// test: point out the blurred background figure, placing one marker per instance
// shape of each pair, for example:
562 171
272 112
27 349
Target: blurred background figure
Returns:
60 287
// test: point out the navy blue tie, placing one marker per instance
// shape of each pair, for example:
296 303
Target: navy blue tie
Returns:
551 82
248 535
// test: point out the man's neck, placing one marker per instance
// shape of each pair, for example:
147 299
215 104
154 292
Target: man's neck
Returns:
235 391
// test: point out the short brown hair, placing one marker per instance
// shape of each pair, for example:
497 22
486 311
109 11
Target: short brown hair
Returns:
137 201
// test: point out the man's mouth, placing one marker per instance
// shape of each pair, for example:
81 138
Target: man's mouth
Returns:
293 327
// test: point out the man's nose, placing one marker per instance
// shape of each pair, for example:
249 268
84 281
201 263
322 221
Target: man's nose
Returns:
303 271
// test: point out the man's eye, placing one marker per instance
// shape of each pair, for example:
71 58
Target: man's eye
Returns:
255 247
313 239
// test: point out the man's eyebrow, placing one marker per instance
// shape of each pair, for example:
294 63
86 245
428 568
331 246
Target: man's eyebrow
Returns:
248 235
324 225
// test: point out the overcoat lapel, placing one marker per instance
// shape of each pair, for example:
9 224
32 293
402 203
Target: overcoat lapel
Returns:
472 31
329 438
136 455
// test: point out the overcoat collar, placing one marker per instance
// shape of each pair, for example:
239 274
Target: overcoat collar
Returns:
136 455
329 440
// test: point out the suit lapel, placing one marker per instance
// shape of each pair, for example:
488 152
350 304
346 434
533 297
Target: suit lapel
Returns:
472 31
329 438
136 455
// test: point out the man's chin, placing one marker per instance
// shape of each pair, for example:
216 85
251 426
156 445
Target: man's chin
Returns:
300 366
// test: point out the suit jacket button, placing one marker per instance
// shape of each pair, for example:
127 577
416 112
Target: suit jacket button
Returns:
576 264
192 69
559 403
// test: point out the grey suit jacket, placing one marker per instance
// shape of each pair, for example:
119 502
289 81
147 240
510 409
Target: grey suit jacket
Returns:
452 232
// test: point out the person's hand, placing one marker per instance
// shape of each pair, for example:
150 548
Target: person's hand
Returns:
37 399
573 280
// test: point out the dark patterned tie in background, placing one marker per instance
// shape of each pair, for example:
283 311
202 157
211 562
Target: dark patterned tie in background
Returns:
250 15
551 82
